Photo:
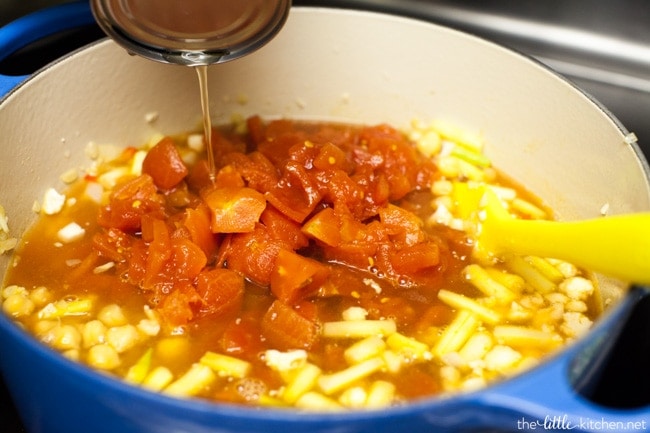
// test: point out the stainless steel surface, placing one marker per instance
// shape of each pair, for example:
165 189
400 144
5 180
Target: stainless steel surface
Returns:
601 45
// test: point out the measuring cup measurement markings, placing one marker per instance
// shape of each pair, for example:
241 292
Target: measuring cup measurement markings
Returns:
195 33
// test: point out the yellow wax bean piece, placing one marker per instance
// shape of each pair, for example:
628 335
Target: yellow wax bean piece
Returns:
192 382
138 371
331 383
546 268
483 281
524 336
303 381
159 378
358 328
317 401
528 272
407 346
380 394
225 365
364 349
463 302
457 333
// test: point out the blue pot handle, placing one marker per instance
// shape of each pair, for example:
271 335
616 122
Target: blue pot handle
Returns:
36 26
546 399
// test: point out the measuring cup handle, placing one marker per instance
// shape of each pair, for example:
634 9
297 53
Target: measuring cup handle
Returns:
36 26
546 398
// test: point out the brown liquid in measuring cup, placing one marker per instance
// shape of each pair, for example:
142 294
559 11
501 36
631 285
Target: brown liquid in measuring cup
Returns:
194 33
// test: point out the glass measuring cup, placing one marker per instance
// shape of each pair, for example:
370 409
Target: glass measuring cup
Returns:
191 32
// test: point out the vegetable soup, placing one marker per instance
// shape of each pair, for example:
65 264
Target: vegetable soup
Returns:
322 267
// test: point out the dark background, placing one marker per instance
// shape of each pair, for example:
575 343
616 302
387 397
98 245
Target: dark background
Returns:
601 45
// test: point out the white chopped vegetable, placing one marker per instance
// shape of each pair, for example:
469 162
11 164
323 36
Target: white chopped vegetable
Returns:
282 361
578 288
70 233
53 202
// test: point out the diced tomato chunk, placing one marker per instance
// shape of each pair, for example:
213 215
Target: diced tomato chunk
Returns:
177 308
415 258
297 194
127 204
197 222
294 277
242 338
325 227
404 226
286 329
164 164
234 210
253 254
284 229
221 290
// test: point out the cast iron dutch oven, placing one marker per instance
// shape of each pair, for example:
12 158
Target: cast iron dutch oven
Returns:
336 65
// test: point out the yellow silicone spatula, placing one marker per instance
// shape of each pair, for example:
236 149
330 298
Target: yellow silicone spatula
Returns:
617 246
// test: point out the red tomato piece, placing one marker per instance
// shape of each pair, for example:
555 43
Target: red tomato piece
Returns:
295 277
127 204
242 338
286 329
234 210
283 229
187 260
197 222
325 227
404 226
297 194
221 290
415 258
112 244
177 308
164 164
253 254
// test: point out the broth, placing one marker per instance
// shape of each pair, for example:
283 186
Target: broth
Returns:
324 267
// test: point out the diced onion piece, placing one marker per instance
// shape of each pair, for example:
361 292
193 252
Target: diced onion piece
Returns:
94 191
53 202
70 233
283 361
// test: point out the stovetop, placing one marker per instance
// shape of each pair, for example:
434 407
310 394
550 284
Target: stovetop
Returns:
603 47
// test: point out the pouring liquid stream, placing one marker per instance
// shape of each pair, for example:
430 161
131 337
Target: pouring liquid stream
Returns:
202 72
